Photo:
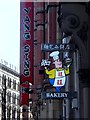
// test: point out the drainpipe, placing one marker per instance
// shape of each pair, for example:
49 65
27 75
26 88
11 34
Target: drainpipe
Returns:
66 108
84 64
75 101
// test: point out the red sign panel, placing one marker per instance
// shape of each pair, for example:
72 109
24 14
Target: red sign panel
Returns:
24 99
26 49
26 41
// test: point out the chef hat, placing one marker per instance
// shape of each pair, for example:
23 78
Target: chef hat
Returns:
55 55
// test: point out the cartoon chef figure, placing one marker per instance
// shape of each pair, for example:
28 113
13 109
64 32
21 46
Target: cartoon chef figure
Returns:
57 76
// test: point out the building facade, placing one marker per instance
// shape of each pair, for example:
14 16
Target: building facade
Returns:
9 93
61 25
52 23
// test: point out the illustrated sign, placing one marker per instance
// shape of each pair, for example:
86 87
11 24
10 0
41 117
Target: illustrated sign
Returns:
59 47
57 75
59 95
26 41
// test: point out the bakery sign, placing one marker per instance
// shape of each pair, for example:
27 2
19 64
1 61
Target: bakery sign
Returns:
59 95
57 73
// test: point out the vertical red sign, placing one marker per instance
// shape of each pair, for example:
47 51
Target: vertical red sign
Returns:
26 44
26 41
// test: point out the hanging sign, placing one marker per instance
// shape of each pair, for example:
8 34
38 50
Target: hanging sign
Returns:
59 47
57 74
26 50
26 41
59 95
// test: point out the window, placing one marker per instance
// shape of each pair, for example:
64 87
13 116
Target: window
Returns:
0 80
8 113
4 80
8 97
9 82
14 84
18 99
14 98
18 114
18 86
13 113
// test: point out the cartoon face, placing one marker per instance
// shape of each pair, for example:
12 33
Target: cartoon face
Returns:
58 63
